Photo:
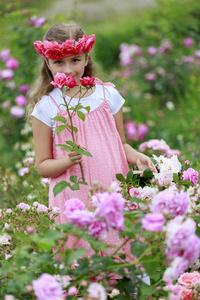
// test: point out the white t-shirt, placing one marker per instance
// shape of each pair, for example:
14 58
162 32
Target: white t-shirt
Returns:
46 109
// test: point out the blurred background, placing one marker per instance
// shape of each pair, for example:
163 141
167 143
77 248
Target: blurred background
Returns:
149 49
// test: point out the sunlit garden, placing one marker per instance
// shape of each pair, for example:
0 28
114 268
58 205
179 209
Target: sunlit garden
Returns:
153 58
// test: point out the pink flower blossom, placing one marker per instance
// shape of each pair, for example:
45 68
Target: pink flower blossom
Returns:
186 294
191 175
24 171
192 252
12 63
8 210
152 50
33 21
24 206
130 128
7 256
188 42
9 297
20 100
142 131
187 162
150 76
17 111
170 203
178 267
153 222
197 54
47 288
80 218
135 192
98 228
188 59
31 230
24 88
5 55
164 178
87 81
6 74
73 291
28 161
96 291
111 208
6 104
42 208
187 279
73 204
45 181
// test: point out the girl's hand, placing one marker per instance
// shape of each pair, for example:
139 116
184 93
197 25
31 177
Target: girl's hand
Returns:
75 158
142 162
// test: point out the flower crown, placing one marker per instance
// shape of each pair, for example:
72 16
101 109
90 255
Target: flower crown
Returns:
55 51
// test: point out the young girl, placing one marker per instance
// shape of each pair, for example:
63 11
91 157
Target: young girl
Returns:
102 131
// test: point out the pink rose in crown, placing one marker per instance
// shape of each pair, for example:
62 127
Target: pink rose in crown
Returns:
89 43
80 46
68 48
52 50
39 47
191 175
187 279
87 81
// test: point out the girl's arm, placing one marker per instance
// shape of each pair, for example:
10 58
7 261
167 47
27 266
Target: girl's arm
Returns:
47 166
133 157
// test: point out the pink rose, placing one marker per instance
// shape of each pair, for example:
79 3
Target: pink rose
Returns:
87 81
192 252
186 294
150 76
5 104
80 218
164 178
142 131
12 63
24 88
39 47
71 82
152 50
24 171
153 222
135 192
9 297
42 207
5 55
17 111
177 267
89 43
130 128
187 279
21 100
188 42
47 288
80 46
39 22
24 206
73 204
73 291
28 161
98 228
52 50
68 48
6 75
191 175
197 54
59 80
96 291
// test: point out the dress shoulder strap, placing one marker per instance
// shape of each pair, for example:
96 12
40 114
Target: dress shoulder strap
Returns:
97 80
53 100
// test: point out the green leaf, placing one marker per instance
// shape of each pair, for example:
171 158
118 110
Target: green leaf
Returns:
60 118
70 143
46 243
81 115
147 174
129 175
60 186
72 128
82 182
175 178
87 108
82 152
120 177
186 183
73 178
60 128
137 248
79 106
64 147
75 187
75 255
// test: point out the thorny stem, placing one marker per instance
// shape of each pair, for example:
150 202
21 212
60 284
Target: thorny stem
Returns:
115 252
58 248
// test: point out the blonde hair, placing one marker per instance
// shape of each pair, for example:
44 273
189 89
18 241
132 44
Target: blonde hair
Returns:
59 33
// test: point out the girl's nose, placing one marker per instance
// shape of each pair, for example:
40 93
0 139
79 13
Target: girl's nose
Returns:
67 69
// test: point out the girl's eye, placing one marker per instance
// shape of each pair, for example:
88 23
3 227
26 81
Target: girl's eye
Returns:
58 62
75 60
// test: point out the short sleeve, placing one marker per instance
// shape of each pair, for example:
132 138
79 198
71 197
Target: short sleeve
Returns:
114 99
45 110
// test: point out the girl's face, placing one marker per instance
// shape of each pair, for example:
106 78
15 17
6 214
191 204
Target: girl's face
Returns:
69 65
